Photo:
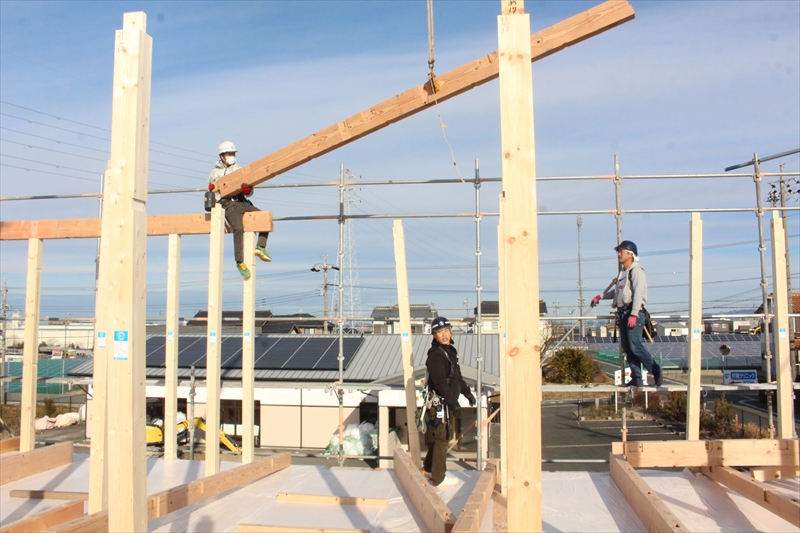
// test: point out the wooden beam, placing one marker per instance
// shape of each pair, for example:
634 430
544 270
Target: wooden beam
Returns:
214 339
406 345
176 498
248 352
171 348
9 445
50 495
764 495
457 81
332 499
17 465
769 473
259 528
471 517
521 242
431 508
157 225
124 204
653 512
734 452
694 393
44 519
30 353
780 329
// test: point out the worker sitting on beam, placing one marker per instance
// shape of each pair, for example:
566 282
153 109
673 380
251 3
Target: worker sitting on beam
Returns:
235 208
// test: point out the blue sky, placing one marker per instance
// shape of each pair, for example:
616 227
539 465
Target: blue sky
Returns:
685 88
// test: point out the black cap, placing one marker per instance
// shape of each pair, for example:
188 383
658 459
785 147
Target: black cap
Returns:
438 323
627 245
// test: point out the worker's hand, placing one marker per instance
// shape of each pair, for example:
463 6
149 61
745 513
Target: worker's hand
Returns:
471 399
246 189
596 300
210 186
632 321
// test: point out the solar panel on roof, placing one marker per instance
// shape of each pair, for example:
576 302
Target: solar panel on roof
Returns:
330 360
231 346
280 352
192 352
308 353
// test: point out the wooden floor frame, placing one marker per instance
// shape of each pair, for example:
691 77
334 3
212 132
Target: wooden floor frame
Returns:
714 459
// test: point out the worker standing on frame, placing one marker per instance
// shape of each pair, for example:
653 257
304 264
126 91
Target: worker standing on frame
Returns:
444 379
628 295
235 208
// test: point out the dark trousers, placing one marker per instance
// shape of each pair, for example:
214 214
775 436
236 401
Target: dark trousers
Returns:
633 346
234 211
436 458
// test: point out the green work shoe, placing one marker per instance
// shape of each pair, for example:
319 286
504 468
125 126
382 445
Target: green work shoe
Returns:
243 270
262 253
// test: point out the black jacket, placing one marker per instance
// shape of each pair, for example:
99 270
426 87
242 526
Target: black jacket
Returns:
444 374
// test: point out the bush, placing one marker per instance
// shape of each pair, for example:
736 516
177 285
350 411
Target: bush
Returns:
570 365
49 407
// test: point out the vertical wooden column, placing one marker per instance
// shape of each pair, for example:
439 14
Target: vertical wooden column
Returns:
30 353
214 340
171 348
780 328
383 434
501 285
694 394
520 236
248 352
98 466
126 233
405 339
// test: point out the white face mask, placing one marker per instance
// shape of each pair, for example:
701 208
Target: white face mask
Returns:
229 160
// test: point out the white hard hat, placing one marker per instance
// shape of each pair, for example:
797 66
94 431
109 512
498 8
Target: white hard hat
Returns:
227 147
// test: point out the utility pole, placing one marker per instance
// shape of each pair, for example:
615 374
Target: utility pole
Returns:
324 269
3 345
579 220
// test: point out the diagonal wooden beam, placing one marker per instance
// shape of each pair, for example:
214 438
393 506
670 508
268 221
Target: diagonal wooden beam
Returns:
651 510
764 495
435 514
457 81
157 225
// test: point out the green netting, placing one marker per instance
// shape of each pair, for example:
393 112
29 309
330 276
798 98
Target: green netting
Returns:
46 368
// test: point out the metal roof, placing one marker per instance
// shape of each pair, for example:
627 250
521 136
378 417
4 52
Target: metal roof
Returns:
378 358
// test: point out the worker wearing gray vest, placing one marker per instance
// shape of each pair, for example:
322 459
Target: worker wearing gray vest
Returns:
628 295
235 208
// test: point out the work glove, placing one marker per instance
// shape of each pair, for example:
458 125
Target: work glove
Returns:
471 399
596 300
246 189
632 321
210 186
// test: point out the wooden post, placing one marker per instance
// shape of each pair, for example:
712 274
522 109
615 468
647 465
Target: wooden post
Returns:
520 236
171 349
248 352
780 328
98 467
693 394
501 285
405 339
30 353
124 205
214 340
383 434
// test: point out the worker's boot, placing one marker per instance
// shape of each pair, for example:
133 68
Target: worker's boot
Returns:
261 253
243 270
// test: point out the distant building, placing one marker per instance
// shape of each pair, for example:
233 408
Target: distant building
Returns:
386 319
672 329
490 314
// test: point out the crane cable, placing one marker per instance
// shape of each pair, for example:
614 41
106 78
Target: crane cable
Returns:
434 87
431 59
